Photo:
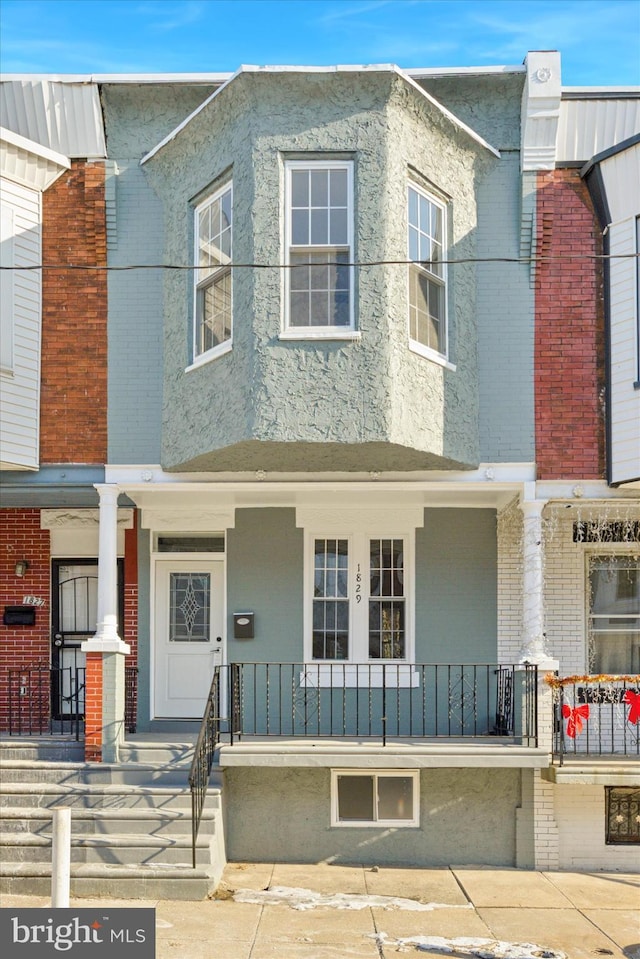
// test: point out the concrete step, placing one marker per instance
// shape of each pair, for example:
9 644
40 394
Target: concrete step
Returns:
118 849
151 751
47 748
94 797
89 880
129 773
91 821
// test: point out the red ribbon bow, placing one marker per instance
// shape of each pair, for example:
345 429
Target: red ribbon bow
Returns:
575 715
633 700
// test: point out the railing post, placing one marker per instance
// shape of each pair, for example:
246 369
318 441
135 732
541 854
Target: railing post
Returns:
61 858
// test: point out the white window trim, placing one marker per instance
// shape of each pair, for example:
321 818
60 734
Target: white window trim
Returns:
414 822
318 672
442 358
200 359
317 332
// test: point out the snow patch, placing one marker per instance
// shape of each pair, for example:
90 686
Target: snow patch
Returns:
466 946
307 899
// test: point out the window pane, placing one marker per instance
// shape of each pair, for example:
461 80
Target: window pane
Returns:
395 797
299 309
341 309
214 312
299 188
355 798
189 604
330 615
300 227
413 209
320 188
338 235
338 188
319 227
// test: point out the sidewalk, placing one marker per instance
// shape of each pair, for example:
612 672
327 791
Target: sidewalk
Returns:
342 912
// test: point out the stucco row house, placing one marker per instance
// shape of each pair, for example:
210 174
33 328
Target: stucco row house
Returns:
323 384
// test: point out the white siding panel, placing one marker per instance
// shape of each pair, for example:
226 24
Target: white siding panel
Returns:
621 175
589 126
625 399
65 117
20 388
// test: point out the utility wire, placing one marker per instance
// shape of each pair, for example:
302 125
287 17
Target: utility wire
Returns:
563 258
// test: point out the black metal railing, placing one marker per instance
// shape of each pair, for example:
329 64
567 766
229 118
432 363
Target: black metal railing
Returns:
46 699
382 701
596 717
130 698
203 756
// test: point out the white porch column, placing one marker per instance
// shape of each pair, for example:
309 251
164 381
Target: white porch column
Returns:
105 652
533 645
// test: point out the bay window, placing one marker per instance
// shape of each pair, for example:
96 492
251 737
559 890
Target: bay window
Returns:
319 246
427 273
213 282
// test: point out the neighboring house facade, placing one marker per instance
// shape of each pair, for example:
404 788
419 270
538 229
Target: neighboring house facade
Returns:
355 472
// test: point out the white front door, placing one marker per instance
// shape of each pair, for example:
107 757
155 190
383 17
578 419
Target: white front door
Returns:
189 637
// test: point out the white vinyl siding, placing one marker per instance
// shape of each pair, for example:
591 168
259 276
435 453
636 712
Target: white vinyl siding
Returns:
20 374
625 396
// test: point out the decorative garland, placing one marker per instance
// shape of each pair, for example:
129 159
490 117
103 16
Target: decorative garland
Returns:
556 681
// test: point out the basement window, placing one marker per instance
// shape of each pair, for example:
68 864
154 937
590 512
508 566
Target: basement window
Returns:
622 815
367 798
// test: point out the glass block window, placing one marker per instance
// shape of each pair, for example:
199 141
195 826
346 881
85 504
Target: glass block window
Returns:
319 246
375 798
331 599
189 607
622 815
386 599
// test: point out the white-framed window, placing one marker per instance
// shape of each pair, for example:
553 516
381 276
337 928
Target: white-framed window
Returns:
213 278
427 245
319 294
614 614
359 596
365 797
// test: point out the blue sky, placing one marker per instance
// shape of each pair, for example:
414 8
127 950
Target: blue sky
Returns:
599 39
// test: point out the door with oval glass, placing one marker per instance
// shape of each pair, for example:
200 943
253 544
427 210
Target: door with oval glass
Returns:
189 638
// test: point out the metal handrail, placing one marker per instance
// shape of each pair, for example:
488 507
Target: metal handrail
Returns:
46 699
596 716
203 756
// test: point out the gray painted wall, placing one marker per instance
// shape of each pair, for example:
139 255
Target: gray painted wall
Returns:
456 576
136 117
280 394
284 815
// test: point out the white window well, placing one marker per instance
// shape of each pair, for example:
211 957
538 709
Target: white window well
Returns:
427 273
319 248
213 279
375 798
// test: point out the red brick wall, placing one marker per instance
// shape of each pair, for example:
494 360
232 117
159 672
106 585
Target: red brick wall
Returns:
569 335
73 418
22 538
93 708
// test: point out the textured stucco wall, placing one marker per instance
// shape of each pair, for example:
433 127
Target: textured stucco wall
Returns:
136 118
284 814
279 393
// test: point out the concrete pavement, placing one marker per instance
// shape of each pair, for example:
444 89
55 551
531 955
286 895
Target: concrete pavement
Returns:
289 911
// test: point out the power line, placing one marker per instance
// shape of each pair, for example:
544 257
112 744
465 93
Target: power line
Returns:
522 260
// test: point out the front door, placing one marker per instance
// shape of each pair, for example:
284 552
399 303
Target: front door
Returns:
75 595
189 619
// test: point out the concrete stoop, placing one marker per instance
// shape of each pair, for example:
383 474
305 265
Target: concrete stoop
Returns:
130 823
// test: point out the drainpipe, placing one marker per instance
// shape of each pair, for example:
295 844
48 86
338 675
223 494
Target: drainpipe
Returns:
105 652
